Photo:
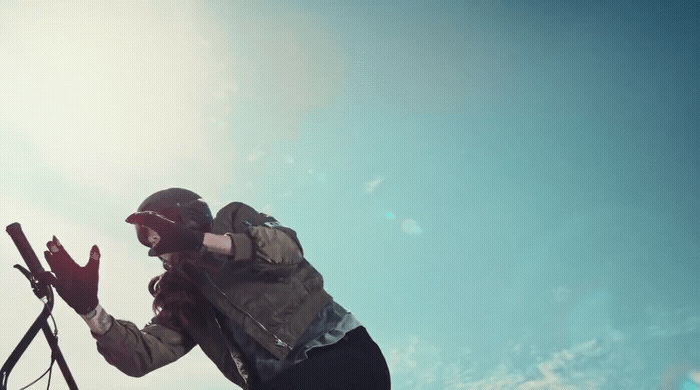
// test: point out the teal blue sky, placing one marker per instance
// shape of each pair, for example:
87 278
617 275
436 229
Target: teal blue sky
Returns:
493 188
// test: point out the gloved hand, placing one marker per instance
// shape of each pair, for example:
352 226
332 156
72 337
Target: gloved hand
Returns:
75 284
174 236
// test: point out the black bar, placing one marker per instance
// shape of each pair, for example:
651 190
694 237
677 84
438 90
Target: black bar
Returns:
22 346
15 231
58 355
44 290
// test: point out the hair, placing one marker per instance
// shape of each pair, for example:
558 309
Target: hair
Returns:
178 301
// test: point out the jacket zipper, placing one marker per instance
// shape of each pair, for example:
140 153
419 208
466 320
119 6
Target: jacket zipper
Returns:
278 341
236 362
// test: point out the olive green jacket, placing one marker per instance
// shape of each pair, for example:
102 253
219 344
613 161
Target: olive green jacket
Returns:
270 291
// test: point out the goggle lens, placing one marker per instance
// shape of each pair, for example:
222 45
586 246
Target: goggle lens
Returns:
142 234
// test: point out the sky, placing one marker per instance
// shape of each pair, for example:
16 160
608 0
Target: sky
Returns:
505 193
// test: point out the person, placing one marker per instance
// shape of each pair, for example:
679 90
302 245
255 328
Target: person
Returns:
236 285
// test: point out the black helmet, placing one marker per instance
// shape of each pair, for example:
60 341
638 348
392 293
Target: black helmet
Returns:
180 205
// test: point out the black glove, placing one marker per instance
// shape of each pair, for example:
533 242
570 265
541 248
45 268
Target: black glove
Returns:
75 284
174 236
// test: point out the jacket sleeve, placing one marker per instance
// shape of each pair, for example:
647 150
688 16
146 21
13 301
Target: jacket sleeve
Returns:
137 352
258 236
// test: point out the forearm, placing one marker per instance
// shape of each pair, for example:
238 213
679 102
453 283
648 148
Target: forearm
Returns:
98 320
237 245
137 352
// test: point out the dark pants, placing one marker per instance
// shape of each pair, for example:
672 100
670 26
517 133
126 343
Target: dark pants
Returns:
353 363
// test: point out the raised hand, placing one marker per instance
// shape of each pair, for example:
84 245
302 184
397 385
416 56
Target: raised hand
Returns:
75 284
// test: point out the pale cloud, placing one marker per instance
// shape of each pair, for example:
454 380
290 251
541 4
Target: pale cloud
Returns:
112 93
372 185
417 364
411 227
106 90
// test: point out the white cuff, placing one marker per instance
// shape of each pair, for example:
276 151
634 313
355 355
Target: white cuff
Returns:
98 320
